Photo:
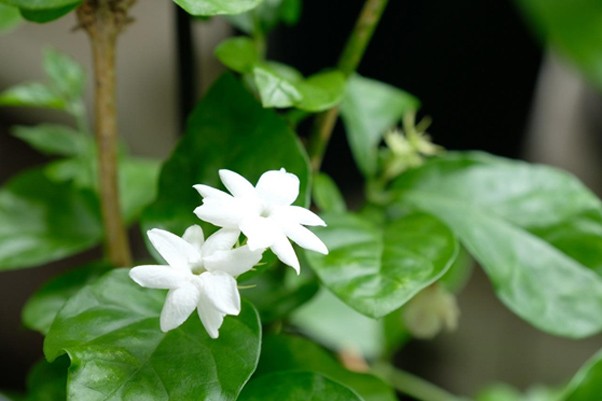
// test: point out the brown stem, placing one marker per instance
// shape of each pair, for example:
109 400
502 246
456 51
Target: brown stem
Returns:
104 20
350 58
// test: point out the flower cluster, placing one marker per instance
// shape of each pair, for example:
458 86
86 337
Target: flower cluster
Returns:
201 273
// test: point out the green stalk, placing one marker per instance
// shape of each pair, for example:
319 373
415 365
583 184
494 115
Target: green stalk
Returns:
413 386
103 20
350 58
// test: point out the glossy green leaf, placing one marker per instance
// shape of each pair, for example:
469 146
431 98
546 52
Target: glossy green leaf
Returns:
296 386
48 381
32 95
239 54
375 269
66 75
327 196
316 93
9 18
40 4
368 109
497 207
40 310
110 330
228 129
573 28
586 385
281 353
35 229
215 7
54 139
47 14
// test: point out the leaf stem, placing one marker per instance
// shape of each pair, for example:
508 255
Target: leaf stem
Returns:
104 20
350 58
412 385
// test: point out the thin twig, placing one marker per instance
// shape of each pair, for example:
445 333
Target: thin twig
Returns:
412 385
350 58
104 20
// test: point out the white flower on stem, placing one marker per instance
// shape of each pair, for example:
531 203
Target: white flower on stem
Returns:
201 274
263 213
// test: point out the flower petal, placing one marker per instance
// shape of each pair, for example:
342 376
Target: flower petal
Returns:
176 251
303 216
220 288
277 187
154 276
194 236
226 213
237 184
305 238
261 232
211 318
221 240
209 192
283 249
234 262
178 306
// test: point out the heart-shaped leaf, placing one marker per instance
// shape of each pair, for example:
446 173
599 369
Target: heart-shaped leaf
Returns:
375 269
110 330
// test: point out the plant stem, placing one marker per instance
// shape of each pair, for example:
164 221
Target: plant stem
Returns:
350 58
104 20
413 386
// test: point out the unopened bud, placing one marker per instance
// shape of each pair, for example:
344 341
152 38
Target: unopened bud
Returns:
432 310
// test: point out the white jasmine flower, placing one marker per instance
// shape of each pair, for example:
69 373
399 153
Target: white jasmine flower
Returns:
263 213
201 274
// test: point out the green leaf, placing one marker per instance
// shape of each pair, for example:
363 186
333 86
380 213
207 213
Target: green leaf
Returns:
9 18
110 330
296 386
215 7
239 54
40 310
267 16
586 385
48 381
35 229
40 4
54 139
228 129
32 95
375 269
138 180
327 196
497 207
281 353
573 28
368 109
48 14
66 75
316 93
